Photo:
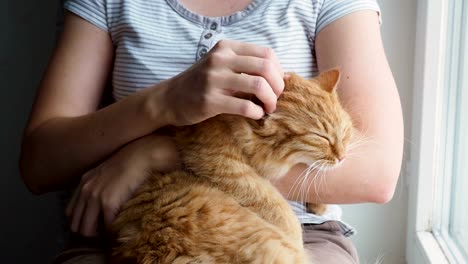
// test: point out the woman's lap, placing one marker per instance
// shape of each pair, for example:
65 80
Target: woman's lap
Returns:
324 243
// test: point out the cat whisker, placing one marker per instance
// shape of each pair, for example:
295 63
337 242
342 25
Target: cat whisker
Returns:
299 179
303 191
360 134
324 179
320 179
308 186
307 183
316 181
357 143
355 152
296 182
362 139
353 156
360 143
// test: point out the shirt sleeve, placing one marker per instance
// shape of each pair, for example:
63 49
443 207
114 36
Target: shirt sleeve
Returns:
93 11
332 10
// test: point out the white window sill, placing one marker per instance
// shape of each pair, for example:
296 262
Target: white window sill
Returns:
427 250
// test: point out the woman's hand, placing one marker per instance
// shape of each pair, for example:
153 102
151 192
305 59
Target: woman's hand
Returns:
107 187
216 83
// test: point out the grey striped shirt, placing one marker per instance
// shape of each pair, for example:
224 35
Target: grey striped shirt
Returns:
157 39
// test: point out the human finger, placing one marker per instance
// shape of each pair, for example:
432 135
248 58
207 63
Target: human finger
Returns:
77 213
248 49
110 209
245 49
89 219
72 203
238 106
254 85
261 67
76 194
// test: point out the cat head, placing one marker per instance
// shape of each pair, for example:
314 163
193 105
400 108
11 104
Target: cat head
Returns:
309 126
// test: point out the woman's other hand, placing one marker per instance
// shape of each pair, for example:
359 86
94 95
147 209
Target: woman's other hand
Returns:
104 189
218 83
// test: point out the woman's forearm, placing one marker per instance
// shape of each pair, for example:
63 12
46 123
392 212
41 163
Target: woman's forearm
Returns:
368 92
59 151
368 174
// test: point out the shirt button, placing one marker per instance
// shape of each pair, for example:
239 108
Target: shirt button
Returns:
202 52
208 35
214 26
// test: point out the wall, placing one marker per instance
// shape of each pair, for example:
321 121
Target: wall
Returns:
382 228
30 224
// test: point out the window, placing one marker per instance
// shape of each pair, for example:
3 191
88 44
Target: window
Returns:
438 209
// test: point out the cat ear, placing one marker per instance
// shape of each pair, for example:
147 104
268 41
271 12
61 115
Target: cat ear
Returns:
328 80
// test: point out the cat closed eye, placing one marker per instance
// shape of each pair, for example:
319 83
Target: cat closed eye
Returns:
322 136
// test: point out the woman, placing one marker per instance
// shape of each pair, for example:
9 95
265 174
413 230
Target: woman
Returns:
178 62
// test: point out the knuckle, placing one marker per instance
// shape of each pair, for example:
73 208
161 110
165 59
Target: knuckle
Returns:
88 175
214 82
258 84
217 58
268 67
205 99
211 60
94 195
205 107
245 108
210 77
222 44
268 53
87 189
109 204
99 170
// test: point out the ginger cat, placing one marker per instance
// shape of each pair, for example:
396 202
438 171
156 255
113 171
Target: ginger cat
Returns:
222 208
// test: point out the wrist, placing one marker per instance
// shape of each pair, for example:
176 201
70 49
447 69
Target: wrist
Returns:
156 108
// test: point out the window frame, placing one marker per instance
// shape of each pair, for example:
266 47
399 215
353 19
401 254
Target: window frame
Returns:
430 181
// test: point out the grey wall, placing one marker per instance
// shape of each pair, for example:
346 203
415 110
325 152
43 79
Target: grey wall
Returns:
382 228
29 224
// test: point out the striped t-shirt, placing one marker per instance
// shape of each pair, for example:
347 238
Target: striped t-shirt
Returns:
156 39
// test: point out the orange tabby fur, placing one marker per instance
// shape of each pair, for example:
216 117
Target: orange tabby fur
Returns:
222 208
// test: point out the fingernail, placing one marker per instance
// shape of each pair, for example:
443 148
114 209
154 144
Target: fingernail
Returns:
271 111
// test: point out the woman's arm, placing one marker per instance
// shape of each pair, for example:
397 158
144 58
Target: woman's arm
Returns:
65 135
105 188
368 91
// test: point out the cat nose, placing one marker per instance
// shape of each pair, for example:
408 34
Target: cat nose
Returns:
341 157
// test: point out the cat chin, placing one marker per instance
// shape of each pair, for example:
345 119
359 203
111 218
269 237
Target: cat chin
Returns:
322 165
333 166
279 171
306 161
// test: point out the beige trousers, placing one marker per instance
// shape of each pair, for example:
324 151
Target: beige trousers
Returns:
324 242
